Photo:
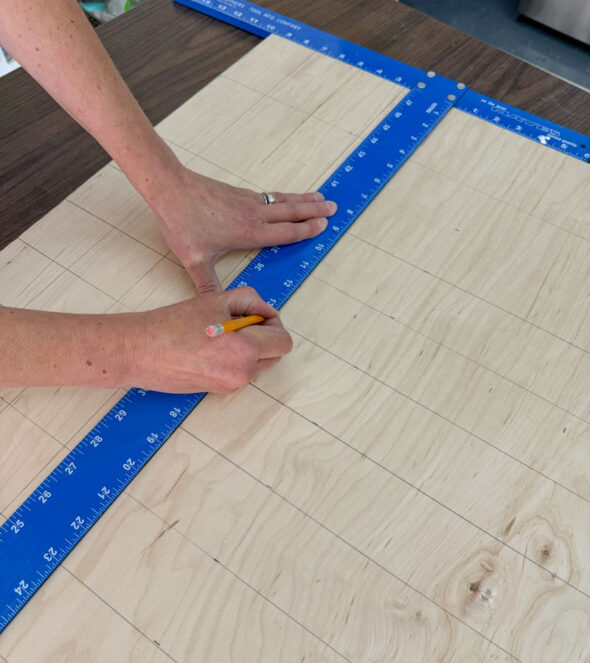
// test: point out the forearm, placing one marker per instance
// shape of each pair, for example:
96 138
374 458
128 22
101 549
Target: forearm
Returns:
55 43
39 348
164 349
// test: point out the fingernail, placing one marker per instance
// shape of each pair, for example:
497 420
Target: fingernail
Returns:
332 207
323 224
318 196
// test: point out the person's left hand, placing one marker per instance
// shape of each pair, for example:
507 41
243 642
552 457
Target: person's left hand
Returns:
202 218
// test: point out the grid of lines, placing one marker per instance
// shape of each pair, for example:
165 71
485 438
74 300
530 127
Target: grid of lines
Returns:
411 483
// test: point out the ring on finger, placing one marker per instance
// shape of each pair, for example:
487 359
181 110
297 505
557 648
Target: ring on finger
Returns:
268 198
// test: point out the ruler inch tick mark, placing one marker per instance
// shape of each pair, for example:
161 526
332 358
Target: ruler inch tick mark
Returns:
264 22
71 499
78 491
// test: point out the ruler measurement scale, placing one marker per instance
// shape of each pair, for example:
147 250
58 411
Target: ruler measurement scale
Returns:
46 527
263 22
525 124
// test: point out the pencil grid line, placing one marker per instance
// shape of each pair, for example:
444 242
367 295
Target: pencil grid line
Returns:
267 95
441 416
333 165
468 292
421 490
38 425
121 615
150 270
65 269
397 320
532 214
104 601
368 126
350 231
418 489
278 147
193 154
360 136
32 421
347 543
93 419
19 391
129 494
245 110
48 282
235 575
32 484
112 225
490 641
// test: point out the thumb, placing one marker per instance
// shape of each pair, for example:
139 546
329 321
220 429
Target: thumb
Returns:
204 275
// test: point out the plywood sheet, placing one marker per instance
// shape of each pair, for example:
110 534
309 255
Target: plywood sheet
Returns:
411 482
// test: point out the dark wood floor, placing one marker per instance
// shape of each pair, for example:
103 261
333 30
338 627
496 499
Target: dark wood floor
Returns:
167 52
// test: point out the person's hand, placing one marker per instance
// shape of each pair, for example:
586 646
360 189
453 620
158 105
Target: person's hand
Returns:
202 218
172 353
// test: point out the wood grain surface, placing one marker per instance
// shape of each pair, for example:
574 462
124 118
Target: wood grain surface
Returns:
167 53
410 483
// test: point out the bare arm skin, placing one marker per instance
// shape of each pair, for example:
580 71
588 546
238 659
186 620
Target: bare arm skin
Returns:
200 218
164 349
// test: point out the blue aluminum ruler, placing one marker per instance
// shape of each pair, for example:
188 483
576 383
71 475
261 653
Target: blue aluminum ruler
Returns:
527 125
45 528
263 22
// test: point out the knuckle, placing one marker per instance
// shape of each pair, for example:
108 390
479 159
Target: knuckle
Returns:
232 381
309 229
292 233
248 290
293 209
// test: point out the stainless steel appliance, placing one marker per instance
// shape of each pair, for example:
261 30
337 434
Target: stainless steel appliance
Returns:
572 17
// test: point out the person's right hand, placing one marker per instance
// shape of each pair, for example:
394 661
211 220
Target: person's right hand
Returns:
173 354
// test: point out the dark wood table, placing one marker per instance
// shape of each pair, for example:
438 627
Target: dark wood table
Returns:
167 52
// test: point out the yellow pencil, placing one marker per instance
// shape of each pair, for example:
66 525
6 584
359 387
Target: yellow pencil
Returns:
232 325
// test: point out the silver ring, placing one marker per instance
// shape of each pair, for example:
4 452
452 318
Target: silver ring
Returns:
268 198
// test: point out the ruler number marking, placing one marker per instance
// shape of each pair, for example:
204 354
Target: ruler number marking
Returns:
374 151
17 526
128 464
70 468
95 441
44 496
77 523
21 588
50 555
